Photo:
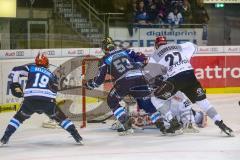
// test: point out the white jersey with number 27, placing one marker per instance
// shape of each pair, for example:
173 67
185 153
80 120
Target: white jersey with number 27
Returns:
174 58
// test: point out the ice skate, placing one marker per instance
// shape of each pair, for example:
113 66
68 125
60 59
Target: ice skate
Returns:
225 128
77 138
4 140
126 128
174 129
160 124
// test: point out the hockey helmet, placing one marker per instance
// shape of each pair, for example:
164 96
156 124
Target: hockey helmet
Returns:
160 40
41 60
107 45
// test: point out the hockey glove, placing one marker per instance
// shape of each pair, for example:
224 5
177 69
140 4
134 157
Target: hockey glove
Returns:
89 84
143 58
164 90
16 90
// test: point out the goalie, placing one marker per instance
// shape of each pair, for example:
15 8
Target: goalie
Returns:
180 107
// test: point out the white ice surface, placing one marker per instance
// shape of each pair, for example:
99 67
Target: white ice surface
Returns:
31 142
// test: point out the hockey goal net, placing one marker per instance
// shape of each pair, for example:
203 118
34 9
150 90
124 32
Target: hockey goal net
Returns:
95 99
78 103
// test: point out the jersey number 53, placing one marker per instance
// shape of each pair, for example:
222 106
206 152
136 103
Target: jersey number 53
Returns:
122 64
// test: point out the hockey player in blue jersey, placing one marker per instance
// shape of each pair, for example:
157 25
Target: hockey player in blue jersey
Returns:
39 97
128 79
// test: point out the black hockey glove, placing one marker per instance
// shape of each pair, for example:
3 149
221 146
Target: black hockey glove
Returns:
164 90
89 84
16 90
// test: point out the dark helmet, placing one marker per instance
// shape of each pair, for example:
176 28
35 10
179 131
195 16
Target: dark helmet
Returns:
107 45
160 40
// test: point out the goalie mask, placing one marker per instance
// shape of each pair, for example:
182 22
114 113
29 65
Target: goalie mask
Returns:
107 45
41 60
160 40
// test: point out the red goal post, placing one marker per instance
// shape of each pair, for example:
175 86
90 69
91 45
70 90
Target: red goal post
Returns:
84 67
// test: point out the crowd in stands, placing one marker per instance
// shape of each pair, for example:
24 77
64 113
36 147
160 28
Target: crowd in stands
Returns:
173 12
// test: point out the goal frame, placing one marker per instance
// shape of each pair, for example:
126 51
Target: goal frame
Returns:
84 106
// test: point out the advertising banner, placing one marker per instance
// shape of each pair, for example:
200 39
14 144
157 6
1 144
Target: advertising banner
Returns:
217 71
144 37
15 54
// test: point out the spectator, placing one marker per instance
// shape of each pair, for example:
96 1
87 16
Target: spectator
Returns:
186 11
177 3
200 14
130 14
175 17
151 8
141 16
162 12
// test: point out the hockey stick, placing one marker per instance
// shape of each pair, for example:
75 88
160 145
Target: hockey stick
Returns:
55 65
126 100
99 120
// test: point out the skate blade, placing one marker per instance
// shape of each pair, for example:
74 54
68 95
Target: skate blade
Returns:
229 134
190 130
177 132
2 144
80 143
125 133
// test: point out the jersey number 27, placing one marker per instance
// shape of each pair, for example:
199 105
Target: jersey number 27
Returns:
171 57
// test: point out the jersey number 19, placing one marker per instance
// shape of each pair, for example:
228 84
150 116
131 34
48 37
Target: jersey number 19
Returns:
40 81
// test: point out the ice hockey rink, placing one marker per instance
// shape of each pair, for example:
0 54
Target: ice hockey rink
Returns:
32 142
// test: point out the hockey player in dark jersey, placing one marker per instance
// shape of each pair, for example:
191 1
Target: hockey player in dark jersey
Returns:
128 79
39 97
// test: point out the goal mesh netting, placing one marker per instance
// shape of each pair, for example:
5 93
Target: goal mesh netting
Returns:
77 102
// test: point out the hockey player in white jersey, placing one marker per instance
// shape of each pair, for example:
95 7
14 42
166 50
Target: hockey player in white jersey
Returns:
180 107
173 60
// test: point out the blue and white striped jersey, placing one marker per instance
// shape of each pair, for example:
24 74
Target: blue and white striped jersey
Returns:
119 63
41 83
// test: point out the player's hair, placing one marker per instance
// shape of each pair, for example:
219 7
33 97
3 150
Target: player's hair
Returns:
41 60
107 45
160 40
